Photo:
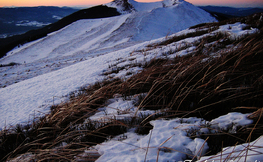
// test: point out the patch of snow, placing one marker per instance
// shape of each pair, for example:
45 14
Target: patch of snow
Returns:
31 23
167 141
24 157
233 120
236 30
56 17
168 3
118 108
250 152
3 35
140 6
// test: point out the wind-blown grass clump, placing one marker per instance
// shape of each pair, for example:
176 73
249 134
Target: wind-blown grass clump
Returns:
208 87
205 86
63 125
65 133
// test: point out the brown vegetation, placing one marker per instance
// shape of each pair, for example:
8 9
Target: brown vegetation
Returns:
199 85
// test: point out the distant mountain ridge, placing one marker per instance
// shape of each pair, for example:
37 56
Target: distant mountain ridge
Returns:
18 20
231 12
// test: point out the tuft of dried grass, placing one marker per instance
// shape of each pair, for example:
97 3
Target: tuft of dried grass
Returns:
208 87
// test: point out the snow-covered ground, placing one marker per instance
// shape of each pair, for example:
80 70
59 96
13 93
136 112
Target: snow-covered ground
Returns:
24 100
133 147
78 55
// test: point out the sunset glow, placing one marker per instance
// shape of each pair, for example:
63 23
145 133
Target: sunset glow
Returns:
235 3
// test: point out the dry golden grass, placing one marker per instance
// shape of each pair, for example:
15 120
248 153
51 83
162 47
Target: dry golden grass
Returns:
195 85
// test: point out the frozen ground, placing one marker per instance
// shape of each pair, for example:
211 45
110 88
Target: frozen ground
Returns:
79 54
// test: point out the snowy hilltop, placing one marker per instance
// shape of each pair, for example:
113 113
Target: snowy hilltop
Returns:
152 83
147 21
86 38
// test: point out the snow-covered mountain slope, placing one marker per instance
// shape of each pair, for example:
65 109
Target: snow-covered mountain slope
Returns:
158 19
87 38
170 139
34 96
80 37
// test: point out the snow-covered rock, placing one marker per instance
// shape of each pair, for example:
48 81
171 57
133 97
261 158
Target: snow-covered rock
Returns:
123 6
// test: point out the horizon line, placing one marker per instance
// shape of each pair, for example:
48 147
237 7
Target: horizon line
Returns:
87 6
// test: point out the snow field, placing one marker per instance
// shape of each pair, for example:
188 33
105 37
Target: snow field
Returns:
169 139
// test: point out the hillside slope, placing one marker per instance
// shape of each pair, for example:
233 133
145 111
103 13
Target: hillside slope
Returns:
87 38
7 44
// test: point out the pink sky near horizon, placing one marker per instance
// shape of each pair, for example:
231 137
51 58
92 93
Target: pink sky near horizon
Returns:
84 3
